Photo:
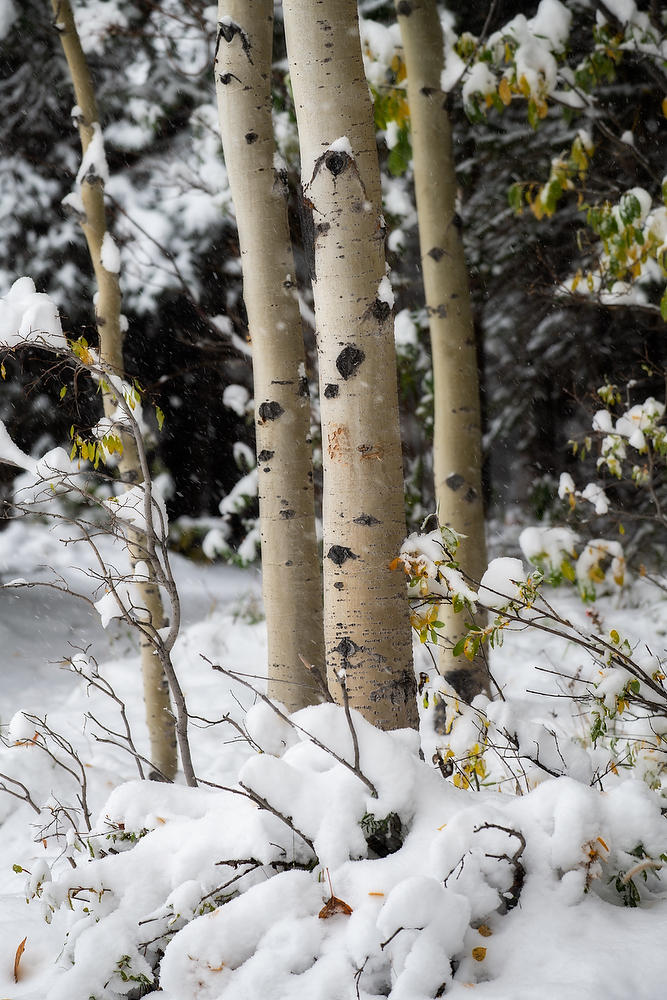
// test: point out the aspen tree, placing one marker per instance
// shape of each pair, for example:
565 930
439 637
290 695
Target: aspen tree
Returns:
290 564
457 438
366 623
159 716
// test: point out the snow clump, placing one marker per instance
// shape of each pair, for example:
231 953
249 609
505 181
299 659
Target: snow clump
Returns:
29 316
501 582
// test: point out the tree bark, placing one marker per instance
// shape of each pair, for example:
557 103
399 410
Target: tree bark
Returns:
290 564
457 438
159 716
366 623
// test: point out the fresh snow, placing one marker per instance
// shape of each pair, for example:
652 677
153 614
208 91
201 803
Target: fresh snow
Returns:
29 316
436 900
110 254
341 145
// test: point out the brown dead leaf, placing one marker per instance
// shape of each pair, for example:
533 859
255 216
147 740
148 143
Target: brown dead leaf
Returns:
17 959
479 954
332 906
484 930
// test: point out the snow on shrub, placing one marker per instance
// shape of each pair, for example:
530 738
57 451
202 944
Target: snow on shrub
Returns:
227 891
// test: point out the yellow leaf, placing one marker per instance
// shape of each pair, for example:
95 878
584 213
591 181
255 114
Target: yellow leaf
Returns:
3 371
504 91
568 570
664 106
479 954
537 208
484 930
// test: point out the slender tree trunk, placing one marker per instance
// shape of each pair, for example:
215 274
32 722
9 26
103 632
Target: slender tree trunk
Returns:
457 439
366 624
159 716
290 563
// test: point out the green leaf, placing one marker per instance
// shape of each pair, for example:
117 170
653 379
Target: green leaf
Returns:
159 415
400 156
663 305
63 392
458 648
533 117
629 208
515 198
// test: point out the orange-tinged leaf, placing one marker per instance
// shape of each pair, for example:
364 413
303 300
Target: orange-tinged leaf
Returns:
17 959
332 906
376 894
484 930
479 954
601 841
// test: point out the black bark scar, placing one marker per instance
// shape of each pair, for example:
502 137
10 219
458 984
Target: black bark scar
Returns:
348 361
270 411
366 519
228 32
306 208
340 553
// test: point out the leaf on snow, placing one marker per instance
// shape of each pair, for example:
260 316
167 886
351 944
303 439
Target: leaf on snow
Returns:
332 906
17 959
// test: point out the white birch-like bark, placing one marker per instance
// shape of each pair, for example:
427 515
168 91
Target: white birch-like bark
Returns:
457 438
290 563
366 623
159 715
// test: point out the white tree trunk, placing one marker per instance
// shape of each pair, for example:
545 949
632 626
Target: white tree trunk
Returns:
457 438
366 623
159 716
290 563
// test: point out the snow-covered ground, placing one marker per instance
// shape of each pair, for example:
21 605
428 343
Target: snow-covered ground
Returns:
514 890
